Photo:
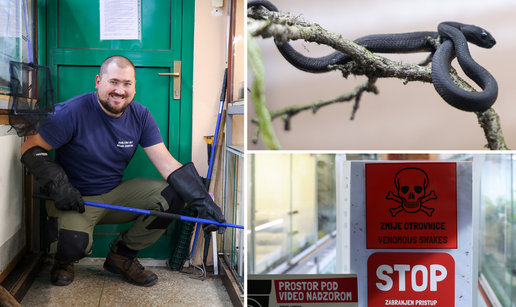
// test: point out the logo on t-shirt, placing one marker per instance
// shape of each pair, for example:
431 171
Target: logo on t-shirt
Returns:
125 144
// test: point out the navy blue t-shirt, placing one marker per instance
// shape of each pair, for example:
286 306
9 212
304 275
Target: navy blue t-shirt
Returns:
93 147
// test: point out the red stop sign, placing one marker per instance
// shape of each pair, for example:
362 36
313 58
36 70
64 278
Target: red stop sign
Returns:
414 279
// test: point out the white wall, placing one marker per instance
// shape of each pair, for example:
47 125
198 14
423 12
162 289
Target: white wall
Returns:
209 63
12 227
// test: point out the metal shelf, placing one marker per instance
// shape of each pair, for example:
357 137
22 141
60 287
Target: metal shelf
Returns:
232 110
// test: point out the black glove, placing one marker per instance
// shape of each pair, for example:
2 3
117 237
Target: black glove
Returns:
53 178
187 183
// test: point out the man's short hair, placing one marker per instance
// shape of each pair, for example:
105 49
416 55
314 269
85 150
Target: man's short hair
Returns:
120 61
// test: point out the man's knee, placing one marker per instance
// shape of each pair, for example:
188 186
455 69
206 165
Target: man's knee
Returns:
174 203
67 245
72 245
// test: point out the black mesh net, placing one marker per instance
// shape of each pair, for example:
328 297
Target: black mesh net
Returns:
32 97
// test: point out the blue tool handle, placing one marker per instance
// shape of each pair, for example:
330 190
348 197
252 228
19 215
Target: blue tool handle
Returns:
165 215
214 145
205 221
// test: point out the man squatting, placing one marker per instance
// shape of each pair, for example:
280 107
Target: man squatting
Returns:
86 132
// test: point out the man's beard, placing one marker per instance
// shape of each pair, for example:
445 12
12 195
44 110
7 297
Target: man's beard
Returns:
111 109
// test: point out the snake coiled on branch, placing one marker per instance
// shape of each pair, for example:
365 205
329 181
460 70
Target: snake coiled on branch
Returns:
454 36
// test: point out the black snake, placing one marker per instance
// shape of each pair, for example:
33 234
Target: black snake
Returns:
455 37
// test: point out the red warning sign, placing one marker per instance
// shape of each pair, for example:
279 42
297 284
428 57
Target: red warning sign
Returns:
414 279
411 205
316 290
328 290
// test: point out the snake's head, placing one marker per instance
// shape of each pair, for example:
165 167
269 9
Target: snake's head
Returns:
479 36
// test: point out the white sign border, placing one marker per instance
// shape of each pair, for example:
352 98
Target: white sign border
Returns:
351 220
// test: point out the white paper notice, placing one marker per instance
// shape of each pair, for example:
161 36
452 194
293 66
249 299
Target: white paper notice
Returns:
120 19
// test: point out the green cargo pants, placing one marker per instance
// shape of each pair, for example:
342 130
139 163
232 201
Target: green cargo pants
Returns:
70 233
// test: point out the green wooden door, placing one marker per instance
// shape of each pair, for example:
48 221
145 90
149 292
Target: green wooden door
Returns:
74 53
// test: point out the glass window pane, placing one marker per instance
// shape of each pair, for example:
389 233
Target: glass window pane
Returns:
271 205
326 210
232 236
292 204
304 209
498 226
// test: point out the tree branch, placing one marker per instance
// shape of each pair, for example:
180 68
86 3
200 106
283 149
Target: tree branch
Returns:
287 113
285 26
490 122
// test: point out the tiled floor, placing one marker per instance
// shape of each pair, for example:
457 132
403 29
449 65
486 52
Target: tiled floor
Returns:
93 286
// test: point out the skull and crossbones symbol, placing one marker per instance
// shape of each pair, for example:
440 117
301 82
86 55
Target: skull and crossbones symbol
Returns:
411 184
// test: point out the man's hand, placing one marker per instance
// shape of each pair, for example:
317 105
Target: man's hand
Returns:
53 178
211 212
187 183
66 197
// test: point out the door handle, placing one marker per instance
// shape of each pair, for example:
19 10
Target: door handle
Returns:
175 74
177 79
